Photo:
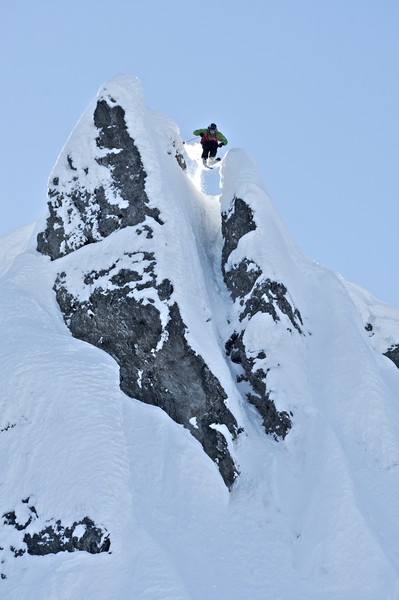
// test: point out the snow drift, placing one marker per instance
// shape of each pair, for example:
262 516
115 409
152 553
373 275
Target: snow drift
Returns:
190 407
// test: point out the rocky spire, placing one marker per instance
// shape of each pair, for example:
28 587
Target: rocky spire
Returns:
118 300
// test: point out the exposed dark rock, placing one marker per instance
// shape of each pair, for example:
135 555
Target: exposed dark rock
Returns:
254 293
266 297
8 426
157 365
70 163
393 354
245 279
275 423
235 224
10 518
95 217
83 535
240 279
179 157
258 294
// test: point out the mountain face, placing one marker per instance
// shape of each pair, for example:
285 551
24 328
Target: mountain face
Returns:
125 307
191 391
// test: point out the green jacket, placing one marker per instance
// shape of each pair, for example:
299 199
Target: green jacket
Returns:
219 136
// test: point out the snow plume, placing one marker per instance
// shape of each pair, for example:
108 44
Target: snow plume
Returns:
222 421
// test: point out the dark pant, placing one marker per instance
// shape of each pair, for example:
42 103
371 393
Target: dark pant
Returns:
209 148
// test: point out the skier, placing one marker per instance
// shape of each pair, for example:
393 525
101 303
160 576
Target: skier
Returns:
211 139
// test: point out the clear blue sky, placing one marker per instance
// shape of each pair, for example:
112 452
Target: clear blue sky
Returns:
309 87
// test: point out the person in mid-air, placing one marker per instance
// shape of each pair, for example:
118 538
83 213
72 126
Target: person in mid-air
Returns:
211 139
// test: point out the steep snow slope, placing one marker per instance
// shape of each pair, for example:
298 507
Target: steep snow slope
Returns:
314 515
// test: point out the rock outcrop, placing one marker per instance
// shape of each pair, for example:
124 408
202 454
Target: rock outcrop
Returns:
52 536
83 210
253 293
393 354
146 336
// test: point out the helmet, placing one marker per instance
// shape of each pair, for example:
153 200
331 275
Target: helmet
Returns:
212 126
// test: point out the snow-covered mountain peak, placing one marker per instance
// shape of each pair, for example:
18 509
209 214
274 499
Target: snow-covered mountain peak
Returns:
222 421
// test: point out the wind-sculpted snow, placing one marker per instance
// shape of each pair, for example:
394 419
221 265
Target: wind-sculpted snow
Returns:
381 322
153 353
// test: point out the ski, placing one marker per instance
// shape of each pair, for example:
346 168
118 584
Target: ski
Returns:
211 166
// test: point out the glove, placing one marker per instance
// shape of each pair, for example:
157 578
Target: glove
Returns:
220 144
